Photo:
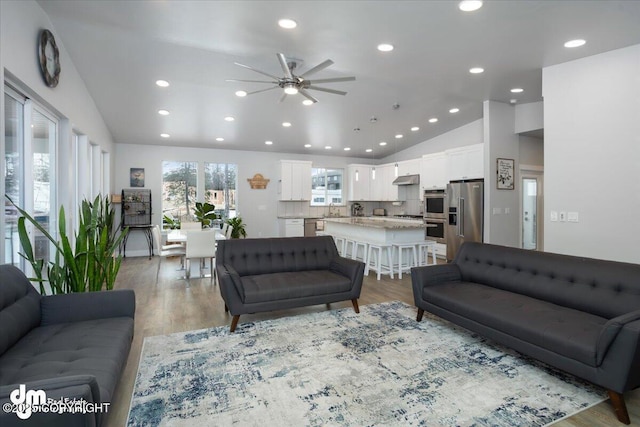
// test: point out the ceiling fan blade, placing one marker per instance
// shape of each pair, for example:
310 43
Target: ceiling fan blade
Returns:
317 68
250 81
283 97
262 90
257 71
285 67
307 95
332 80
324 89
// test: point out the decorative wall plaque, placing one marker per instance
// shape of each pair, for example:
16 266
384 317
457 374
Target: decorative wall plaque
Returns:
505 174
258 182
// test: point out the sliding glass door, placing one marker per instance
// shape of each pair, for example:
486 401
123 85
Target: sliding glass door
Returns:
31 136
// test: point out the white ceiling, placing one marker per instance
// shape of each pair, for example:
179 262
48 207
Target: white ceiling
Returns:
121 48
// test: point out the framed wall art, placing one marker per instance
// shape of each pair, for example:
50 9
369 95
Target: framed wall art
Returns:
136 177
505 176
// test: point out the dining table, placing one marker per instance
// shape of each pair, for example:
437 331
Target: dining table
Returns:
180 236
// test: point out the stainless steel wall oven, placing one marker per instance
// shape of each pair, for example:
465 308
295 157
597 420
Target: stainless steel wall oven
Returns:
436 229
435 204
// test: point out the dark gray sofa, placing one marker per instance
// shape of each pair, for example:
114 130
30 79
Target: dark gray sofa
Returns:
577 314
257 275
72 346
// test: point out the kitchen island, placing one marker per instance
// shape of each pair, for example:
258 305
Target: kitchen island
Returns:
374 229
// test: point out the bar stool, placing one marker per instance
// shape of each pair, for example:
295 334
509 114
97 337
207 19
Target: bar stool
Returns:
340 241
423 252
357 245
411 259
377 250
349 245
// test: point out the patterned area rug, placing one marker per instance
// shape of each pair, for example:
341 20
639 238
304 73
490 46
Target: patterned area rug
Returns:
339 368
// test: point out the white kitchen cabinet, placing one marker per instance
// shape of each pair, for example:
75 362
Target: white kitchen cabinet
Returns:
409 167
465 162
359 182
294 227
433 171
382 188
295 180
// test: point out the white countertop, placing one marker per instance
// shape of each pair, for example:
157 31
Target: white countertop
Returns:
380 222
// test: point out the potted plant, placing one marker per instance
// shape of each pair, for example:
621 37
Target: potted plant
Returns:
90 264
205 214
238 227
170 223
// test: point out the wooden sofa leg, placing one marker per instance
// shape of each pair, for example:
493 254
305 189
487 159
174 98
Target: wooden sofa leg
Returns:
234 322
355 305
420 314
617 400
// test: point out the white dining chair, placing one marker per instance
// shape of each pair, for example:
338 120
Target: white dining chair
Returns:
201 244
225 226
187 226
227 234
166 250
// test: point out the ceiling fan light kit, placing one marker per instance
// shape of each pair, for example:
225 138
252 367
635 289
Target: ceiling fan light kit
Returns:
293 84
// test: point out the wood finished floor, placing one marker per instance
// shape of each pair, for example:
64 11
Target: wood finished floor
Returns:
172 306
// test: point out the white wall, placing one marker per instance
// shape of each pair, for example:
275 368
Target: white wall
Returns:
468 134
20 26
529 117
531 151
258 208
501 213
592 155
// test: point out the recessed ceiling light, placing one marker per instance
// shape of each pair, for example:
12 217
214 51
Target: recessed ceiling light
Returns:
575 43
476 70
517 90
165 135
307 145
229 118
368 150
513 101
269 142
454 110
286 124
307 102
398 136
163 112
327 147
347 149
383 143
241 93
219 139
433 120
415 129
470 5
162 83
385 47
287 23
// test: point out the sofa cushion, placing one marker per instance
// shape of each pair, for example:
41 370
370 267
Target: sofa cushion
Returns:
264 256
603 288
94 347
562 330
291 285
19 306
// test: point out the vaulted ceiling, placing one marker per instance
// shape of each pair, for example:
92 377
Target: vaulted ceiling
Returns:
121 48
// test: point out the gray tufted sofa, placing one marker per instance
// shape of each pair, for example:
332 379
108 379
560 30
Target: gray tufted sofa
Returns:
257 275
71 346
577 314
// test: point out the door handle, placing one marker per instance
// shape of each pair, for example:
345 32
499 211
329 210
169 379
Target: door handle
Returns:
461 217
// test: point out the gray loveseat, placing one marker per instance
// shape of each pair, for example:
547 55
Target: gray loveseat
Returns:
71 346
577 314
257 275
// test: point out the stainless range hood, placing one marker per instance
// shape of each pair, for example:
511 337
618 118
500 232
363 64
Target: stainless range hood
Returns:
407 180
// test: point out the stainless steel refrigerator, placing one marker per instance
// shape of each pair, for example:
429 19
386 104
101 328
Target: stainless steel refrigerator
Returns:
465 214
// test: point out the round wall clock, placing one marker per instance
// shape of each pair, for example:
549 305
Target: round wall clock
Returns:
49 58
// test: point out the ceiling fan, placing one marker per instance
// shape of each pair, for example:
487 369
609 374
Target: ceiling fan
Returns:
293 84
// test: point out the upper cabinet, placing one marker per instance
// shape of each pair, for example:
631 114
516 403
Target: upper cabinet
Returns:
433 171
359 182
382 188
465 162
409 167
295 180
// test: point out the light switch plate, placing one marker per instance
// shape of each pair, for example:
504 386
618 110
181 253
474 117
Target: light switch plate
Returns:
563 216
554 216
572 216
497 211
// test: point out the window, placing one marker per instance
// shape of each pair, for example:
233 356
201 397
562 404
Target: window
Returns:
326 186
220 187
179 189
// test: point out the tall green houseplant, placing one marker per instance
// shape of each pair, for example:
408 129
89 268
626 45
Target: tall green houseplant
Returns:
238 227
89 265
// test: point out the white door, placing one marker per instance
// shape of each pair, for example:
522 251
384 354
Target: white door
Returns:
532 211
